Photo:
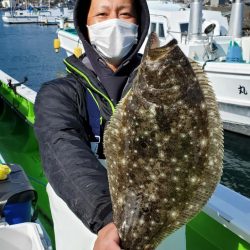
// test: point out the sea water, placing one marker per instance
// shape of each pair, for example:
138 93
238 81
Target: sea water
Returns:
27 50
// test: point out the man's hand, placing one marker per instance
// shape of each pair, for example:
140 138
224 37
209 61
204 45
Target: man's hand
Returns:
107 238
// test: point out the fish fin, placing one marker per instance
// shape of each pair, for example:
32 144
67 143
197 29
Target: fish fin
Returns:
113 124
152 43
215 126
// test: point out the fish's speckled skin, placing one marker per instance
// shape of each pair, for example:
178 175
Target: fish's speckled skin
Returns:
164 148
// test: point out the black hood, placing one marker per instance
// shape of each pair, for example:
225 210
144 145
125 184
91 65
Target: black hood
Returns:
80 21
104 73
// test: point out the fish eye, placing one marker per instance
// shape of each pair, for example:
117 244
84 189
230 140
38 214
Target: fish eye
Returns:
145 209
143 144
183 61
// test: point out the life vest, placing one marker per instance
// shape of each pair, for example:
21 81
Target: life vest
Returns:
99 107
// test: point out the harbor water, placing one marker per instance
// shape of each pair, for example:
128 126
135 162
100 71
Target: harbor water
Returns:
27 50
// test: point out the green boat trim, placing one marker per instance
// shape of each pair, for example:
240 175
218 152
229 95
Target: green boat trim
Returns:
224 223
21 98
18 143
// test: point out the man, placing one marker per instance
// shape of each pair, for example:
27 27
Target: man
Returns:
68 127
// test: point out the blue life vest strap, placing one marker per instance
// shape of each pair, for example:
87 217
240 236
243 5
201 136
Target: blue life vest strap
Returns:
94 121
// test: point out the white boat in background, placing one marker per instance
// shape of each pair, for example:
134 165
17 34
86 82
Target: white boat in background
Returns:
48 16
205 37
225 58
52 16
20 16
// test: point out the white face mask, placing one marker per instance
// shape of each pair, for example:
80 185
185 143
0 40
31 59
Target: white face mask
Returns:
113 38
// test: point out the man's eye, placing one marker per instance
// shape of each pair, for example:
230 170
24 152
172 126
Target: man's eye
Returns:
102 14
126 14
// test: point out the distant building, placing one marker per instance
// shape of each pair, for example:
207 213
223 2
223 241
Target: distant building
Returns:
8 3
216 3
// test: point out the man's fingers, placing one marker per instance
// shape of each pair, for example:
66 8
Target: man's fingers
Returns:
108 238
115 247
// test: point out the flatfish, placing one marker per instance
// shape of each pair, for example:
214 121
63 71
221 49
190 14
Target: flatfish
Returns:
164 147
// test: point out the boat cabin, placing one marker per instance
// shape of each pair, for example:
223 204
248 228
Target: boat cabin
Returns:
170 20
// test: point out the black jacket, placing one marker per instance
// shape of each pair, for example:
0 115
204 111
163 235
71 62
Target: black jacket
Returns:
62 128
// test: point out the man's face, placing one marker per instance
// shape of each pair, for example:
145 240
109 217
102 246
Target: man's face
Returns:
102 10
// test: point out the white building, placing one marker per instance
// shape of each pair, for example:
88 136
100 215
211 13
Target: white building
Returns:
8 3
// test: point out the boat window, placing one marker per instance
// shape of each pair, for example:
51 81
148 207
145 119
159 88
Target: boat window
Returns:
153 27
184 27
161 30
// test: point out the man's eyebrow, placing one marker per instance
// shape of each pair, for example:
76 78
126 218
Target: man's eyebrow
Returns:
104 7
123 6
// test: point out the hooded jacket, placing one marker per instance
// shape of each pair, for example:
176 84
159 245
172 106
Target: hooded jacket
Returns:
62 126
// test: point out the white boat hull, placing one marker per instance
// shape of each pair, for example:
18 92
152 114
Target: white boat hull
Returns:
47 20
20 19
43 16
231 83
